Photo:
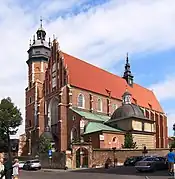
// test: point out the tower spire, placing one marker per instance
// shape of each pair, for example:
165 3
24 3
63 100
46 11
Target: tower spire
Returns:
41 34
127 59
127 73
41 22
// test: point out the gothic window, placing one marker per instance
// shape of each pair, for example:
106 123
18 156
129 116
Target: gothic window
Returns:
99 103
30 99
54 75
114 106
73 136
81 100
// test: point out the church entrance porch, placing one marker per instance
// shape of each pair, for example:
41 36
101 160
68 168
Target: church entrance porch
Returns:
82 158
81 155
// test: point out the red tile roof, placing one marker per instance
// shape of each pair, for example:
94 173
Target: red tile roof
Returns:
92 78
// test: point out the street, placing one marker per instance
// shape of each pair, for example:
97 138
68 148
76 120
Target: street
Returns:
113 173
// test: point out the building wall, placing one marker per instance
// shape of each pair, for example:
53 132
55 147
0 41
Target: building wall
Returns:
112 140
144 140
68 96
100 156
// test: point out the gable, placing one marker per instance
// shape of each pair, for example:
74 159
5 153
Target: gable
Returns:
88 77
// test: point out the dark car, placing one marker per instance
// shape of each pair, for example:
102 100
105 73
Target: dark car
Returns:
151 164
32 165
131 161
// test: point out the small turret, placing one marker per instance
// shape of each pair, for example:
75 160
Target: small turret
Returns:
127 73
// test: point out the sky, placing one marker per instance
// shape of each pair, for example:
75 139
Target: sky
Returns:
98 31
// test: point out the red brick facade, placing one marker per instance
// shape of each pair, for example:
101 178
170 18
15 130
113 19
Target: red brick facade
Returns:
65 96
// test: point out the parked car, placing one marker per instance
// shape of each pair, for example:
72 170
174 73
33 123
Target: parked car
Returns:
32 165
151 164
131 161
21 164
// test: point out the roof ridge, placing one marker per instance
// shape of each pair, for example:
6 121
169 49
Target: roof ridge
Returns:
99 81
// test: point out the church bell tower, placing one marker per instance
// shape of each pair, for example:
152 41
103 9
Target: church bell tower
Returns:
38 56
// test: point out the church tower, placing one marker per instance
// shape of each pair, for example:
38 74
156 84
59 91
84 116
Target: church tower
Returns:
127 73
38 56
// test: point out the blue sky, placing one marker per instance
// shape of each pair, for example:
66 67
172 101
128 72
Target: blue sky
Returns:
100 32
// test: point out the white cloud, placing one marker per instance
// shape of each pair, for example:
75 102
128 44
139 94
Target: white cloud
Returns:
102 35
165 90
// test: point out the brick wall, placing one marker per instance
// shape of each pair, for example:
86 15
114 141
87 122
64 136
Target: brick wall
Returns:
100 156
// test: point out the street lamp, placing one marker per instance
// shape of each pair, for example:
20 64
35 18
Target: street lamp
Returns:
114 149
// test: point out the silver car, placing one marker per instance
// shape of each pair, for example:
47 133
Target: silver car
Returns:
151 164
32 165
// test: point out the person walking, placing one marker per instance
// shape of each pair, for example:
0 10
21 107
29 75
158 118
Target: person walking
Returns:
8 168
171 160
16 169
2 174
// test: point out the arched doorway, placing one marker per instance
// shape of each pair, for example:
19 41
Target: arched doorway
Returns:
82 158
53 118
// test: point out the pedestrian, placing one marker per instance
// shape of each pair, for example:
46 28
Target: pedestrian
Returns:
171 160
2 174
16 169
8 168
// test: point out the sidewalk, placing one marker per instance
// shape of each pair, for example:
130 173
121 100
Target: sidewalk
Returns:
61 170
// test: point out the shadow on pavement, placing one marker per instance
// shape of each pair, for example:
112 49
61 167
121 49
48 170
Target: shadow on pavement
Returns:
121 170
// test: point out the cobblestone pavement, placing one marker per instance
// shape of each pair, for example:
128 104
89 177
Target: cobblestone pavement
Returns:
113 173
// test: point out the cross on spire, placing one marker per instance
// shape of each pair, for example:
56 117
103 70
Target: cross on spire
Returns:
41 20
127 60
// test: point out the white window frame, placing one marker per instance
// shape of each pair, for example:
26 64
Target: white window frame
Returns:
101 105
83 101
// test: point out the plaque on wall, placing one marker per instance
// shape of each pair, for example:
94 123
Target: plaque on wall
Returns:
82 124
101 137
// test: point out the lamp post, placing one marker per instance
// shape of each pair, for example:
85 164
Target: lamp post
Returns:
114 149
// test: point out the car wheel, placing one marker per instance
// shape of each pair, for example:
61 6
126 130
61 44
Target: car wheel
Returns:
138 171
154 169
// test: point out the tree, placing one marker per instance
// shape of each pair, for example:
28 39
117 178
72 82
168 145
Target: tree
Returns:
174 129
44 144
128 142
10 120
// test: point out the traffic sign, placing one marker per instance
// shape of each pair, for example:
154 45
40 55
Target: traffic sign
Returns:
50 152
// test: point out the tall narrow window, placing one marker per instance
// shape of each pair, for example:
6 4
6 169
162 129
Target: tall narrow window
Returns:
99 107
81 101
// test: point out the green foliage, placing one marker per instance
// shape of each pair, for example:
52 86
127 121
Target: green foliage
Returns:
173 143
10 118
44 144
128 142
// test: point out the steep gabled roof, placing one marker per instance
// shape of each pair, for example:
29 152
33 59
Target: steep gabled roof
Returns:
89 77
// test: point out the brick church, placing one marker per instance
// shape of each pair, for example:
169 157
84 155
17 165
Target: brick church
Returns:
72 100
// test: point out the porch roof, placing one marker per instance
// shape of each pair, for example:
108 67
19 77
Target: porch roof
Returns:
97 127
92 116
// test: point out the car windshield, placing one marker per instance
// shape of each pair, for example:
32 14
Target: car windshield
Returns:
35 161
149 159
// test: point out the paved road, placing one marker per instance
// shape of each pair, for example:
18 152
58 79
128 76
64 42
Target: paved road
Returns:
117 173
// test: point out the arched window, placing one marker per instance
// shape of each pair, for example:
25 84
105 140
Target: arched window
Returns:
73 135
115 143
99 107
114 106
81 100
